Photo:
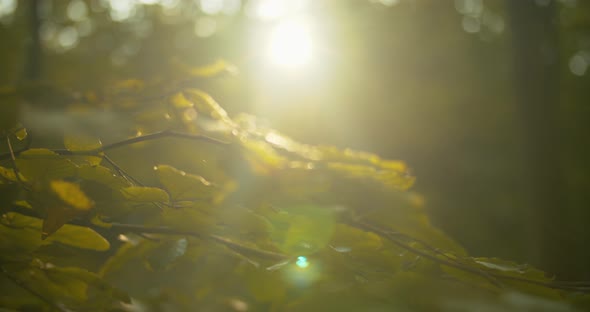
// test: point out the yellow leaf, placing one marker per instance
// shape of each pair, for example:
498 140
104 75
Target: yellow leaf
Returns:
184 186
81 142
21 134
81 237
43 164
179 101
145 194
7 174
71 194
219 67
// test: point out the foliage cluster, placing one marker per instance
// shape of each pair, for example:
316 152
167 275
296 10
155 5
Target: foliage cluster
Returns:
257 222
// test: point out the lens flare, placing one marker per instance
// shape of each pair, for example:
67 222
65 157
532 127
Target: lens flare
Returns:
302 262
290 44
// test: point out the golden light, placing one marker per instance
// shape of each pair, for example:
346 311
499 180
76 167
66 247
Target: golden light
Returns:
290 44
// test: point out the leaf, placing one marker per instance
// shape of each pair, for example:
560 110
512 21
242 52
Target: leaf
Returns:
21 134
207 105
39 164
81 142
265 285
102 175
79 236
218 67
22 233
7 174
245 222
128 85
74 289
262 157
188 219
183 186
179 101
57 216
144 194
19 235
164 256
71 194
303 229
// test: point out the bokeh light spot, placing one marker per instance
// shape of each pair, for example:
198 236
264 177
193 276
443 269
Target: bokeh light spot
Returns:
7 7
211 7
68 37
578 63
205 27
471 24
77 10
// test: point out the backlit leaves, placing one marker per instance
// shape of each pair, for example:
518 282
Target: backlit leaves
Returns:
280 225
23 231
184 186
144 194
81 142
40 164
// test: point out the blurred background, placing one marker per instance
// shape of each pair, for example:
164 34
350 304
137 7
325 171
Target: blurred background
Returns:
487 100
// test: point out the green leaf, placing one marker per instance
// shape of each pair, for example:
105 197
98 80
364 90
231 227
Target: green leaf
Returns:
163 257
245 222
81 142
42 164
183 186
188 219
56 217
102 175
144 194
264 285
79 236
303 229
19 235
19 232
73 289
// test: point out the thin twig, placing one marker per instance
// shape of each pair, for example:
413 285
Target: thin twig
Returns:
143 138
383 233
121 172
128 177
13 161
149 137
216 238
444 255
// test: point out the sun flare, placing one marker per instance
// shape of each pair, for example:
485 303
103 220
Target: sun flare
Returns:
290 44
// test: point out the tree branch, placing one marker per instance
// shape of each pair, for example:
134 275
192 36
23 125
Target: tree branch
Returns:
140 229
576 286
143 138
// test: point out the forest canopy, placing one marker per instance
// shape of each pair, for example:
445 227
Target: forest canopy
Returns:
152 160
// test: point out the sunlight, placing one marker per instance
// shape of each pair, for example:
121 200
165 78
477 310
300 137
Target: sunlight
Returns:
290 44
